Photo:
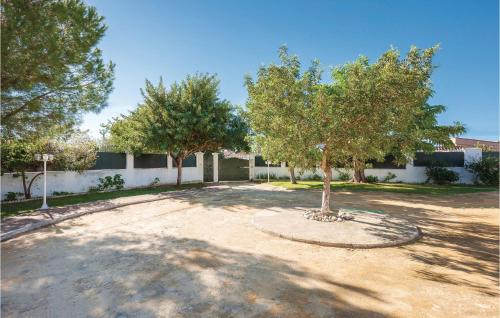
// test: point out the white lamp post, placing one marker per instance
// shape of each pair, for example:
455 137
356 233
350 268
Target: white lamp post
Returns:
268 162
44 157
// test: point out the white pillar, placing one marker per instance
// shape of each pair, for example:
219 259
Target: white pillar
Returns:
169 161
130 161
171 173
472 155
283 164
409 162
216 166
251 166
128 175
199 165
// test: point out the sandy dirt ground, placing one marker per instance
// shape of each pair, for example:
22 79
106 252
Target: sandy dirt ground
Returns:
200 256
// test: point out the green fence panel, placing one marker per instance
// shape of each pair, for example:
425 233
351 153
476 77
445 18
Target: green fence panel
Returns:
189 161
446 159
150 160
110 160
491 154
208 167
388 163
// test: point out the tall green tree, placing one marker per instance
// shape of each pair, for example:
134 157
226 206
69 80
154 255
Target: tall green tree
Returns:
184 119
386 102
52 70
362 112
276 104
237 131
75 153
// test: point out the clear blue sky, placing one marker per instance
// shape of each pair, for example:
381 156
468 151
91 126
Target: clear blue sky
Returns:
149 39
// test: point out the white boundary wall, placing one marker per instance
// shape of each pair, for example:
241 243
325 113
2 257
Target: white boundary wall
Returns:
70 181
410 174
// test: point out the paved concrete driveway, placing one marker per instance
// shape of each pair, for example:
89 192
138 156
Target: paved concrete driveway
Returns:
199 256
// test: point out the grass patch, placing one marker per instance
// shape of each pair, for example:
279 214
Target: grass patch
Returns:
14 208
411 188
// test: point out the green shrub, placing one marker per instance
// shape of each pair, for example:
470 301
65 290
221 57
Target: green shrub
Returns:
107 183
441 175
485 170
390 176
155 182
118 181
93 189
371 179
263 176
10 196
344 176
313 177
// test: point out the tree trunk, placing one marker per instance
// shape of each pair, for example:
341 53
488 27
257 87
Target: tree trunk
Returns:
178 162
327 178
27 188
31 182
359 171
291 171
27 194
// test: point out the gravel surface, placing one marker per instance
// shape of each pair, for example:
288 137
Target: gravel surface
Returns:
200 256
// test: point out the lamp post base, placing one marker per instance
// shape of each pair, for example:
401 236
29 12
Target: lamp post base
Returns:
44 207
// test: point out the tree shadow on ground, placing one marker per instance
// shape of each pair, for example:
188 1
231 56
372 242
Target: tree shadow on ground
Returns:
456 241
181 277
115 275
453 240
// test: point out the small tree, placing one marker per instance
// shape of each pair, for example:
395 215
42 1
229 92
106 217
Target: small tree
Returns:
18 156
187 118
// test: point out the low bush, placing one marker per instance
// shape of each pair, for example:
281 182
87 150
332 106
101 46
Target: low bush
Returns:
155 182
389 177
263 176
485 170
313 177
93 189
109 183
344 176
10 196
441 175
371 179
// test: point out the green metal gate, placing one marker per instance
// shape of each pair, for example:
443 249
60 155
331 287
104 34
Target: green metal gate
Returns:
208 167
233 169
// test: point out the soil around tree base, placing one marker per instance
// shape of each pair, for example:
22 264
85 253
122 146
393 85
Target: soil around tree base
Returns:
366 229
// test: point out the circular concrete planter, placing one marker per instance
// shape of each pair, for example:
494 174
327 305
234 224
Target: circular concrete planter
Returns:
367 230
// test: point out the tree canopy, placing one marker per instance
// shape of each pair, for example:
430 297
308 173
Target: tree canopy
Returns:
52 71
366 111
276 110
75 153
386 104
184 119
